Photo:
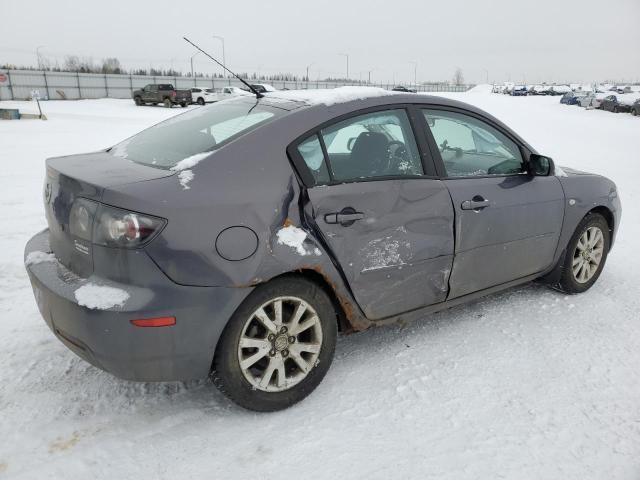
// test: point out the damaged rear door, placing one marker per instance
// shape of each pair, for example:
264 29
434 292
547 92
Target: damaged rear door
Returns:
387 223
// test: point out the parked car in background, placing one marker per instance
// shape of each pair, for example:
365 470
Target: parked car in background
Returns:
558 89
237 239
203 95
538 90
573 98
230 92
610 103
635 108
164 93
587 100
263 87
519 91
402 88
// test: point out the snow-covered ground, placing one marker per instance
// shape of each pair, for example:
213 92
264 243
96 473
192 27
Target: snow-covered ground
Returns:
526 384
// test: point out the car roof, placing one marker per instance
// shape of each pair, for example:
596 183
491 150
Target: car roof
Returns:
316 107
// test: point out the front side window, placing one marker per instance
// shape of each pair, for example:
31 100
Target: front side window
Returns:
376 144
198 131
471 147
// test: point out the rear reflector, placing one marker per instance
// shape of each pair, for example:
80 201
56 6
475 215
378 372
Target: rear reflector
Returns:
154 322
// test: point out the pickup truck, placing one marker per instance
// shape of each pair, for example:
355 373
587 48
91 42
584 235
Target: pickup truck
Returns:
164 93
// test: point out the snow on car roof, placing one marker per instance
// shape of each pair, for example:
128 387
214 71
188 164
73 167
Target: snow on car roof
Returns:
331 96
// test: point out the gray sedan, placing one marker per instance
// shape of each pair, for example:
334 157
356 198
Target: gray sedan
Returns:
236 240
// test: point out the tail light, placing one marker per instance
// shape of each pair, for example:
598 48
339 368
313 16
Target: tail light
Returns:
173 94
114 227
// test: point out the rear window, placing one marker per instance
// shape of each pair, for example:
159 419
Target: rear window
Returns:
165 86
200 130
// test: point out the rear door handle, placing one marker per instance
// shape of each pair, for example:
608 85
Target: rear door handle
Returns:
345 217
477 203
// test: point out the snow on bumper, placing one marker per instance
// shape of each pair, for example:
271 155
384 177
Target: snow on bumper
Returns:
96 324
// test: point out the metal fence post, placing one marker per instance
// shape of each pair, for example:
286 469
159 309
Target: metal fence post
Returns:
46 84
78 80
106 85
10 85
131 84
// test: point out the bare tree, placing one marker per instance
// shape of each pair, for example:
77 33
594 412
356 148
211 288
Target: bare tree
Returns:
111 65
458 77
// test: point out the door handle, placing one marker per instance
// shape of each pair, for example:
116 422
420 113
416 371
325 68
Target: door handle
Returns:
477 203
345 217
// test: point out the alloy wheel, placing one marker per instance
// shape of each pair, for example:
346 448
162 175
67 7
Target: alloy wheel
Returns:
279 344
588 254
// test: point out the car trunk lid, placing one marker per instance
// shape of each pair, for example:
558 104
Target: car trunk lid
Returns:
84 176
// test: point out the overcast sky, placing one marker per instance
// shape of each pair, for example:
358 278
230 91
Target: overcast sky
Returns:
532 41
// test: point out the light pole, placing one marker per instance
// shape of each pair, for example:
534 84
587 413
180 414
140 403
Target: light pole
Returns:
224 61
415 74
192 62
38 56
311 64
346 55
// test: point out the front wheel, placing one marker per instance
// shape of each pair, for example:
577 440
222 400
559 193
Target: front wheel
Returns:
138 101
200 101
183 104
634 112
278 345
586 254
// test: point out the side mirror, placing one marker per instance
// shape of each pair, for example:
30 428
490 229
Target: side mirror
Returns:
540 166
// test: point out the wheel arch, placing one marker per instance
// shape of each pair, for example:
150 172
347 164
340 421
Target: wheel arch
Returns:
340 305
608 216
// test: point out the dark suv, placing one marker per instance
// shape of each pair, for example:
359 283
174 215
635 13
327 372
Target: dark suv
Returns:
164 93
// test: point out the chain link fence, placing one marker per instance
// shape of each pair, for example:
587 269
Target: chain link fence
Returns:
19 84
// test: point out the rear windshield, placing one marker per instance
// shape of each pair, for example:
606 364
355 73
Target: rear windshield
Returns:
200 130
165 86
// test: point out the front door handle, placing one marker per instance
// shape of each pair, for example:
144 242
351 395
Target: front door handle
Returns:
476 203
345 217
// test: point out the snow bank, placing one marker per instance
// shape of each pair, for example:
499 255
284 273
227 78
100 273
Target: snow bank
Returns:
39 257
483 88
331 96
100 297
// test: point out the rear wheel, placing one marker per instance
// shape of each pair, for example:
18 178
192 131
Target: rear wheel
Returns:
278 345
586 254
168 103
634 112
138 101
616 110
200 101
183 104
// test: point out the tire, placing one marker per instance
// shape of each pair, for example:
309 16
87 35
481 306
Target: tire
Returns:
200 101
570 282
183 104
168 103
616 110
246 387
634 112
138 101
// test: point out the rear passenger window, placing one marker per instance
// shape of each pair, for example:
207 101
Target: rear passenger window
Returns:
378 144
311 152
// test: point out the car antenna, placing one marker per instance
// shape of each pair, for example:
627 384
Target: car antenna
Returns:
257 93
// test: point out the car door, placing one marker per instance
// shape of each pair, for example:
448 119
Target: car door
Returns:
387 225
508 221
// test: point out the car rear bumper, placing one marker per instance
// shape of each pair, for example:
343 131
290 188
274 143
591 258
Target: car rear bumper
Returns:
107 339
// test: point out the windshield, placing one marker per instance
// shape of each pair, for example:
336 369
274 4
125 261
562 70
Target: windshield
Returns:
200 130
